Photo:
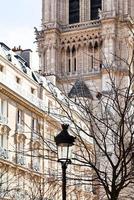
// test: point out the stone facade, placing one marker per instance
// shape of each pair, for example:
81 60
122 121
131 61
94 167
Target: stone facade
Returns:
69 51
24 126
29 120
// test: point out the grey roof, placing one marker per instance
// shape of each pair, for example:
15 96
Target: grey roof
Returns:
80 89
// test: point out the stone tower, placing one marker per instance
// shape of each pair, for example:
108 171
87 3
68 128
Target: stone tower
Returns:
79 37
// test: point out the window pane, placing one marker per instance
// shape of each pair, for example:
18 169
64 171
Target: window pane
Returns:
73 11
95 6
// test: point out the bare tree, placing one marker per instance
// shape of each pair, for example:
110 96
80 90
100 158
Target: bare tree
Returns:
104 126
9 177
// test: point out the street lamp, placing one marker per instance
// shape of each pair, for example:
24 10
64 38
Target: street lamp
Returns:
64 142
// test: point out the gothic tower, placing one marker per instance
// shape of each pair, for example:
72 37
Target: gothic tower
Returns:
77 36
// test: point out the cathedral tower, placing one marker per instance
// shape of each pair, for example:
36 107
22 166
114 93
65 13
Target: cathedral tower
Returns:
77 36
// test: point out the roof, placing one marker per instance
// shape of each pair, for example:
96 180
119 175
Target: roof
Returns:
4 46
80 89
17 60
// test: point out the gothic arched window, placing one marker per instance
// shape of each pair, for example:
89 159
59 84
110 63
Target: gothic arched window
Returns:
74 11
95 6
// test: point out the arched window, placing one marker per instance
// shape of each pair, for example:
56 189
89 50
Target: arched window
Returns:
74 11
73 59
95 6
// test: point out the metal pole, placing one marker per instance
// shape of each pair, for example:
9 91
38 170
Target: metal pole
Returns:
64 167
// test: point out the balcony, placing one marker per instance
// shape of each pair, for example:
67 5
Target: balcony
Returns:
36 166
21 160
52 174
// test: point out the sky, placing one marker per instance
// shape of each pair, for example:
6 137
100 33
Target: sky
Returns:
17 21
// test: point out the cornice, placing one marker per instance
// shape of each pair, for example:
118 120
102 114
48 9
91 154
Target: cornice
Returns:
22 101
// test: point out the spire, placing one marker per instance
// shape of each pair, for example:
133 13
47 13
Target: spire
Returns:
80 89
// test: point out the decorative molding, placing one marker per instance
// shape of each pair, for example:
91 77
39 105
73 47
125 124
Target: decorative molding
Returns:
20 137
4 129
35 145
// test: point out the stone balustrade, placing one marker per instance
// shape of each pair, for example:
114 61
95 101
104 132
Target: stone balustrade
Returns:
70 27
82 25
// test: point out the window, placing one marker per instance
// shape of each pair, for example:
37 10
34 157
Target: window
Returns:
74 64
3 140
40 126
20 117
92 61
20 147
32 90
35 130
17 79
1 68
95 6
50 106
3 107
20 121
73 11
4 121
36 160
3 111
74 59
69 65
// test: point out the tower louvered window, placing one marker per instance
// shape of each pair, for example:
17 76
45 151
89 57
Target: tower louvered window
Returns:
74 11
95 6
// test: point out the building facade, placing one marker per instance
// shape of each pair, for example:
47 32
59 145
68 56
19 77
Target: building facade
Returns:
28 123
78 40
25 132
81 37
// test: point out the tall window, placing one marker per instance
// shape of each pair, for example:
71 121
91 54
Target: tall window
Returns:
74 11
20 117
95 6
36 160
35 133
3 109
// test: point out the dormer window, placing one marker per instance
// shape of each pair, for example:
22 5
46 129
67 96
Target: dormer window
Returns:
9 57
95 6
74 11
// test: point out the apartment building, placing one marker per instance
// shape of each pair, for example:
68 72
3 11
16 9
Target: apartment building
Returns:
28 123
81 41
24 130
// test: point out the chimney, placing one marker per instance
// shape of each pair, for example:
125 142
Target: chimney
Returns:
26 54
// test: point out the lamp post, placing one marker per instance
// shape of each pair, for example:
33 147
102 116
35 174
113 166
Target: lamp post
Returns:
64 142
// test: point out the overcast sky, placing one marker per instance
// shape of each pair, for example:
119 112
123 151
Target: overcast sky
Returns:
17 21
